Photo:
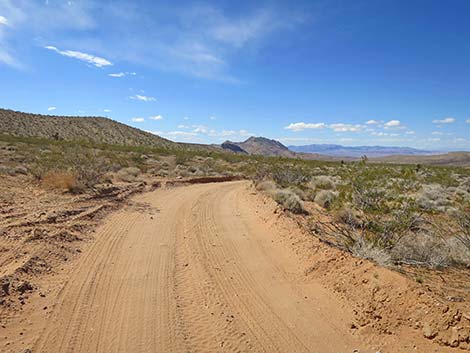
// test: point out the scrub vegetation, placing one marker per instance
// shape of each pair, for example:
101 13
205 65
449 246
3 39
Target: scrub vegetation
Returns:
392 214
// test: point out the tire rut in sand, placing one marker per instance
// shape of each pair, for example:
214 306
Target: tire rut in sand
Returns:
193 278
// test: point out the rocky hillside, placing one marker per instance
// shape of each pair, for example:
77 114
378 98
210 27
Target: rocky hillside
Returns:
260 146
92 129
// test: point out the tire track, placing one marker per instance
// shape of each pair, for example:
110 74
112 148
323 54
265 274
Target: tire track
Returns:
194 277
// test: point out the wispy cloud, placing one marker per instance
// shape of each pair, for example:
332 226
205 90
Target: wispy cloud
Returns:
51 109
156 117
138 120
467 121
199 40
122 74
372 122
107 110
88 58
444 121
3 21
140 97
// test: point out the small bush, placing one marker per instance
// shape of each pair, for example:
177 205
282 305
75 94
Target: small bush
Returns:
63 181
289 200
286 176
347 216
323 182
325 198
422 249
367 250
299 192
128 174
20 170
433 197
266 185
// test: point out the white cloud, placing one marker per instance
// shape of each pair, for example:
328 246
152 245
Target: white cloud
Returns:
467 121
138 120
139 97
198 40
379 133
304 126
345 127
51 109
437 133
337 127
212 118
156 117
176 133
122 74
88 58
392 123
372 122
444 121
200 129
107 110
3 21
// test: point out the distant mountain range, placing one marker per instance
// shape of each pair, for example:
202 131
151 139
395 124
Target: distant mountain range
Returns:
359 151
103 130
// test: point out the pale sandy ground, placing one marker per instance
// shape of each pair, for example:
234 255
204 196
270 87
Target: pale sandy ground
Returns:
192 269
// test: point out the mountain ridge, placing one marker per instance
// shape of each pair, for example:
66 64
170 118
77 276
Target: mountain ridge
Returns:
359 151
102 130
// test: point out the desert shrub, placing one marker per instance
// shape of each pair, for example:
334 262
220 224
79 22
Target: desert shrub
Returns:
289 200
422 249
4 170
433 197
20 170
368 197
387 230
347 216
289 176
299 192
161 173
323 182
463 233
309 194
181 170
129 174
266 185
459 254
325 198
366 250
63 181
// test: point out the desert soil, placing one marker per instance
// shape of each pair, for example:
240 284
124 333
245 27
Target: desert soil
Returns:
199 268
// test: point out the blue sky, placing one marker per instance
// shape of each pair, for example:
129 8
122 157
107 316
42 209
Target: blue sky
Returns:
348 72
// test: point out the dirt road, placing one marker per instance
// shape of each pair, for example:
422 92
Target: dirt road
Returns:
193 269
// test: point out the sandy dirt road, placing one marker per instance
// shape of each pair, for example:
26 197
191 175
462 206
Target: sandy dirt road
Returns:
193 269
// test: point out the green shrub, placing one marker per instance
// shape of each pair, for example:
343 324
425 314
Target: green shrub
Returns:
325 198
289 200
